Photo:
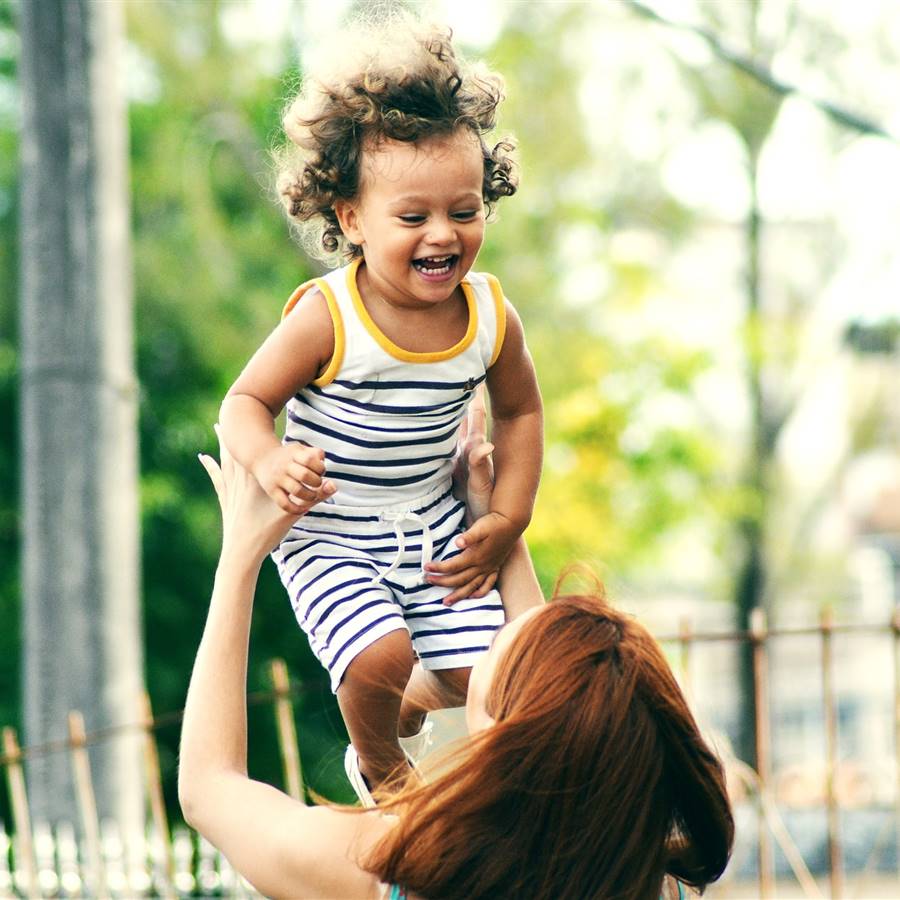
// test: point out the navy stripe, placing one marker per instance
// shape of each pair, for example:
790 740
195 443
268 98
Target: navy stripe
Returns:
366 426
312 534
360 633
383 482
381 599
460 629
391 548
471 384
379 602
361 592
328 571
333 457
319 513
432 409
359 562
454 652
415 589
322 515
332 590
442 610
378 445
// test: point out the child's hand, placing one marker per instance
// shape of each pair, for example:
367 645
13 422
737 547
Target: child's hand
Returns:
291 475
474 571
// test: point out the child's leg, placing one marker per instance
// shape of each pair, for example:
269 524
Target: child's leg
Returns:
428 690
370 696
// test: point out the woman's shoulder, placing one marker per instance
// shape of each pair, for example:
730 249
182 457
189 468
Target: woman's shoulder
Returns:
321 843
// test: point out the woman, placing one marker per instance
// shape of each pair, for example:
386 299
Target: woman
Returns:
585 775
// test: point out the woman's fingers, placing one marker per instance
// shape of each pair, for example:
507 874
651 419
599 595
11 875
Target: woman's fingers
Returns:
215 475
476 420
226 459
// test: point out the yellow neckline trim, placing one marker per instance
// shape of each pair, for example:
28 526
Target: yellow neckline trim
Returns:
390 347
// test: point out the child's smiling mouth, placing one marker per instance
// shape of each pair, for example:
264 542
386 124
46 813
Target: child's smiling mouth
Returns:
435 267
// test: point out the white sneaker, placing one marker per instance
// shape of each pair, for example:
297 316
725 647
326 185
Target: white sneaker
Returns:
355 776
416 746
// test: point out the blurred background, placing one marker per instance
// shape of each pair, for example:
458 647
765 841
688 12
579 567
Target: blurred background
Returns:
703 251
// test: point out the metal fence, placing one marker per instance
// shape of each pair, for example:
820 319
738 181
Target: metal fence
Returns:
39 861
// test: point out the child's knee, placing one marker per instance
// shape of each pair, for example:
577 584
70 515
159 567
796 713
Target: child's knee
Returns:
385 664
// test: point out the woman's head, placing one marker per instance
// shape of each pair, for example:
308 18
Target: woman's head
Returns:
397 81
592 781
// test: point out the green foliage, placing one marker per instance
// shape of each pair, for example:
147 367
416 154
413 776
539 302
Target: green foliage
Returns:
213 263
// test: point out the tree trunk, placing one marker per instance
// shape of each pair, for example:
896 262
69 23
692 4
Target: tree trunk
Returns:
81 619
750 583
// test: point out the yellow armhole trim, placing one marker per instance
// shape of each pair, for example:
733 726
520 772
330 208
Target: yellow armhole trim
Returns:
390 347
337 357
499 316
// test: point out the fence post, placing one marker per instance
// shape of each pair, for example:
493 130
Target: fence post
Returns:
87 804
835 863
758 637
287 733
18 796
153 778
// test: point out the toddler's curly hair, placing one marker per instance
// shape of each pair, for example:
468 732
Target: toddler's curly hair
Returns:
398 80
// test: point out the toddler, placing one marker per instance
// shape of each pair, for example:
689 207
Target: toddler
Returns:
376 363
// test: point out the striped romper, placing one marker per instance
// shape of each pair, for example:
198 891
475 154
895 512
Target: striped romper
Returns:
387 419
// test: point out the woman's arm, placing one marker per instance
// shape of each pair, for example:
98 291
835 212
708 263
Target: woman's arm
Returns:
282 847
517 435
474 476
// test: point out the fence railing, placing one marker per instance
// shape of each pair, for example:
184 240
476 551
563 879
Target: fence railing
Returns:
39 861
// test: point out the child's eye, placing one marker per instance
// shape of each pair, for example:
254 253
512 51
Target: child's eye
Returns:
412 219
464 214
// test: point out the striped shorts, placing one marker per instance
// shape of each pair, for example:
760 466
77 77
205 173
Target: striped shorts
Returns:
354 574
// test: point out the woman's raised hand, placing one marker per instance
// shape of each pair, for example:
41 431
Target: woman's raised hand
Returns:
474 470
251 522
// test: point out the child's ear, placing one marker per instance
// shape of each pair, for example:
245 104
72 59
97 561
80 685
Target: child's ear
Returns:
348 219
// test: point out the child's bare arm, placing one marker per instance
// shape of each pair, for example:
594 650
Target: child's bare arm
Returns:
517 416
291 357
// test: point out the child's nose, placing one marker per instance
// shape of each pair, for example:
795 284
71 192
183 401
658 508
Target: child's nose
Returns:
442 231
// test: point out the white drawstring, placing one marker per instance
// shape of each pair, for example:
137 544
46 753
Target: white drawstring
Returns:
397 519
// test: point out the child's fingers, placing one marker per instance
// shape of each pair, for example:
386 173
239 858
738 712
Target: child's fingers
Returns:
486 586
311 458
289 503
295 488
467 590
456 579
453 566
304 475
312 496
479 530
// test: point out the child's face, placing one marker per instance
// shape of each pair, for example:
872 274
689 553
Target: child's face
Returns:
419 216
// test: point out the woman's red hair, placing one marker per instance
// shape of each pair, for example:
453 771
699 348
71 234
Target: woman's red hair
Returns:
594 782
